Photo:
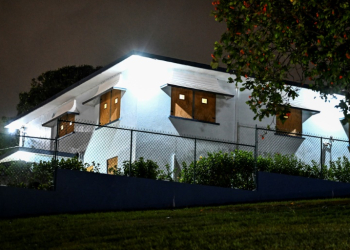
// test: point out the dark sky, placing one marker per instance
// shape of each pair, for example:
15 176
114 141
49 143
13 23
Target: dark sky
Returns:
41 35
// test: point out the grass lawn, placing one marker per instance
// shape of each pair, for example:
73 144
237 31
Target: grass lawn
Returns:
315 224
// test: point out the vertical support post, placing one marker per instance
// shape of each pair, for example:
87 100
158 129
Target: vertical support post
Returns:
195 160
56 139
55 154
256 158
131 139
321 160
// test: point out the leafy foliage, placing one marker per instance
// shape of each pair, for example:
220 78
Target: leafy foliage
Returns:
50 83
167 174
233 169
236 169
303 41
340 170
143 169
37 175
139 168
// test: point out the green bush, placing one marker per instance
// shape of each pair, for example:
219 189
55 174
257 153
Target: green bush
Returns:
221 169
141 168
166 175
339 170
37 175
287 164
15 173
236 169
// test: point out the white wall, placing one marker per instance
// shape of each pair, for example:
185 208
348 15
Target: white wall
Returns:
145 106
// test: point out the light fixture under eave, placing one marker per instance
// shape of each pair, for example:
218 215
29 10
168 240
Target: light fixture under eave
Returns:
12 130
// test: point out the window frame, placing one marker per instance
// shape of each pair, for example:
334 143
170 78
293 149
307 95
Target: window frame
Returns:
283 129
67 120
110 101
194 115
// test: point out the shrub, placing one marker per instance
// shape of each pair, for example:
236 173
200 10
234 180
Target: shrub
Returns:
16 173
339 170
284 164
141 168
236 169
38 175
221 169
165 175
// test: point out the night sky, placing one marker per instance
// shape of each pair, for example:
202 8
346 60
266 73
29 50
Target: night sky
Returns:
41 35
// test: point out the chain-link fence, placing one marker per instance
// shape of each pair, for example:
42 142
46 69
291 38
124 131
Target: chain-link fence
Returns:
302 153
104 147
114 150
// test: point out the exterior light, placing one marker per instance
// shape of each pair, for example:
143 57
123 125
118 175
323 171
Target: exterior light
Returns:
182 97
12 130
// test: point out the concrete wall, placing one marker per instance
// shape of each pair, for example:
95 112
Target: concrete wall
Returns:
86 192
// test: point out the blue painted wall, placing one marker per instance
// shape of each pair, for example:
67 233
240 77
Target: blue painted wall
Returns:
86 192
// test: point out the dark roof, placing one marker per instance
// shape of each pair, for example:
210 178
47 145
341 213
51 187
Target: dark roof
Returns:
134 52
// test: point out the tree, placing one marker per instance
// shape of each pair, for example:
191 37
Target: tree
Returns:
274 41
50 83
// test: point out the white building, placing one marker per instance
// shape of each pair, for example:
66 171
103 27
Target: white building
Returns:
150 92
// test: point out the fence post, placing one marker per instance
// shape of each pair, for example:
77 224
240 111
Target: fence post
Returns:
55 154
321 160
194 162
256 157
131 138
56 140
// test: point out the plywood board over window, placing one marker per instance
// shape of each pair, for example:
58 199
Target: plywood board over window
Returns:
105 109
115 104
204 106
66 126
293 124
112 165
182 102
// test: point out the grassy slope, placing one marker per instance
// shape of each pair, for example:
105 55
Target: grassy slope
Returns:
316 224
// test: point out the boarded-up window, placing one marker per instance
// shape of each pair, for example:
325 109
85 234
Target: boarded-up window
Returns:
115 104
110 106
193 104
293 124
66 124
105 109
112 165
204 106
182 102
